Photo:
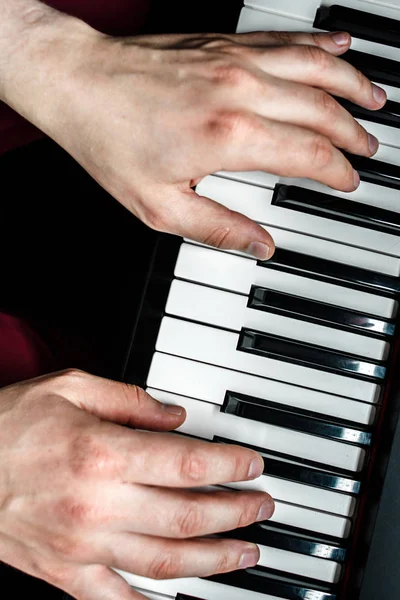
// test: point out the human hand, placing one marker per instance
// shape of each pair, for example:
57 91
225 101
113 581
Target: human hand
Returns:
149 116
80 493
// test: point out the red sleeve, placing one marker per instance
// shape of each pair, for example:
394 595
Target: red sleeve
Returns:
115 17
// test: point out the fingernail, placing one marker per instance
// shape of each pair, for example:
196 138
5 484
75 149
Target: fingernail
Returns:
356 179
341 38
373 143
256 468
249 557
258 250
266 511
379 94
173 409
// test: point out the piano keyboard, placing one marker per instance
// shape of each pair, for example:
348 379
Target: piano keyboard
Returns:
290 356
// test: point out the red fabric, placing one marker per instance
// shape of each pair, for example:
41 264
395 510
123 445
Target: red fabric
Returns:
115 17
23 354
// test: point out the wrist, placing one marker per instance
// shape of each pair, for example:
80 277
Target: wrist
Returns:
39 47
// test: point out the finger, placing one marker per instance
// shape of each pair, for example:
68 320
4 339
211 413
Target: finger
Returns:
335 43
314 67
118 402
175 461
158 558
290 151
182 513
98 582
201 219
314 109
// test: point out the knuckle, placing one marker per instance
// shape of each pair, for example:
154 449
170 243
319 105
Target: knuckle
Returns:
217 237
165 565
190 521
224 563
231 73
321 152
226 127
67 547
326 105
318 58
90 457
192 466
73 513
248 513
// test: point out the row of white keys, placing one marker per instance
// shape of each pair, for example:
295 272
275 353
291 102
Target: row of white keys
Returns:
366 193
257 20
203 588
210 383
229 310
255 202
206 420
237 274
306 9
274 18
218 347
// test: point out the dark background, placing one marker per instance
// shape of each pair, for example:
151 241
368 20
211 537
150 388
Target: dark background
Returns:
73 260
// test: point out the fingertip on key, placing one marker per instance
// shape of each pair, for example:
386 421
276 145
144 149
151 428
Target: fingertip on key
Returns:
256 468
379 94
356 179
259 250
341 38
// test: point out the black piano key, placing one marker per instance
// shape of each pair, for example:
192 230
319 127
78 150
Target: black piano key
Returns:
360 24
268 581
308 355
186 597
313 311
375 171
265 535
264 411
376 68
388 115
335 208
332 272
267 453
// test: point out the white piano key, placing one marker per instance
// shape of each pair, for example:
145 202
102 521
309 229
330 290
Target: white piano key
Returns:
367 193
202 588
206 421
238 274
306 9
386 135
301 495
214 346
209 383
255 202
299 564
260 20
228 310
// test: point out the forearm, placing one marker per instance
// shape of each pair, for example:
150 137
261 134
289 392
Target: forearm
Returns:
35 44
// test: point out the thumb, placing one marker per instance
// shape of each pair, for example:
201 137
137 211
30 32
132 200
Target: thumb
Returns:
203 220
120 402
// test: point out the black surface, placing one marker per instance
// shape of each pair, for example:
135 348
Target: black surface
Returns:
376 68
267 535
360 24
375 171
337 273
264 411
288 305
336 208
308 355
388 115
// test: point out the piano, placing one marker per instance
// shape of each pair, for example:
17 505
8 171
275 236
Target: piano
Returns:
296 357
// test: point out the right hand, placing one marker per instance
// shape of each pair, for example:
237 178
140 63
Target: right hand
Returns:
80 493
149 116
